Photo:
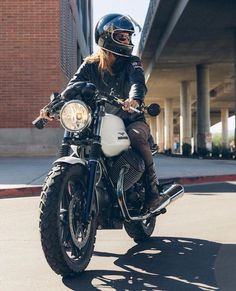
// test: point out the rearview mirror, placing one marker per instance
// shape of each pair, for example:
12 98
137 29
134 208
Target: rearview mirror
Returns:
53 96
154 109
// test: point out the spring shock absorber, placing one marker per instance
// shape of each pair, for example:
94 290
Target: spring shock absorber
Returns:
64 150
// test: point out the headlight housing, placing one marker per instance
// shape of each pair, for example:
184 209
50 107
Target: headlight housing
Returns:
75 116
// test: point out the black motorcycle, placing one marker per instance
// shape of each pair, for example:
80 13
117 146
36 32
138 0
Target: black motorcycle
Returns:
98 182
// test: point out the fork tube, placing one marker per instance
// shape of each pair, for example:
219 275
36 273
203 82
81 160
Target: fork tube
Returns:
94 156
64 149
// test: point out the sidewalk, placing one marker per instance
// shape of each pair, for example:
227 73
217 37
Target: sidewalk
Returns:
24 176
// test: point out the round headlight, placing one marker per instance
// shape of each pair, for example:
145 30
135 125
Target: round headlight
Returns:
75 116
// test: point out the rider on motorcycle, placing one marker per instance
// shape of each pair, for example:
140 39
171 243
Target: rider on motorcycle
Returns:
114 68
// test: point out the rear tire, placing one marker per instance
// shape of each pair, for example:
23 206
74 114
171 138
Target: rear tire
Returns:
67 243
140 230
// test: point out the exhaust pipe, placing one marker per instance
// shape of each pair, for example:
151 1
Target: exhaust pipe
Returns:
175 191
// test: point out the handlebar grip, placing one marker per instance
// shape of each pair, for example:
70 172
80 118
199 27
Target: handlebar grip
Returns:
132 108
40 123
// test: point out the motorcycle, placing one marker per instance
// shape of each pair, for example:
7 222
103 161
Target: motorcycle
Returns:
98 182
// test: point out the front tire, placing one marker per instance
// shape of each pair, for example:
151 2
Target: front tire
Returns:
67 242
140 230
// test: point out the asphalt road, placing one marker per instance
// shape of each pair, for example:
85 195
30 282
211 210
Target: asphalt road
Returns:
193 248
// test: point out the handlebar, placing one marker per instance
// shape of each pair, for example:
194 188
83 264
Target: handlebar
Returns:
39 122
88 92
152 109
51 108
114 98
132 108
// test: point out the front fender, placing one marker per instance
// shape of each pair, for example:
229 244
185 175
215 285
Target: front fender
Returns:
71 160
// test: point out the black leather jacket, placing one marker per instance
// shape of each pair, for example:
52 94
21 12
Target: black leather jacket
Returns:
127 81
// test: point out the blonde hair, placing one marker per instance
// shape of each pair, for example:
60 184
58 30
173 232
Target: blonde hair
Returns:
103 58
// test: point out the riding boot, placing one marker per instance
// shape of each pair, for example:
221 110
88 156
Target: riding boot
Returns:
154 199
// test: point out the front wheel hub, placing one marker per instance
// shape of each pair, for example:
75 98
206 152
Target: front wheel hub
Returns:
79 231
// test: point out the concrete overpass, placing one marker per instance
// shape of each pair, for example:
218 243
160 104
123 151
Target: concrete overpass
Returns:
188 49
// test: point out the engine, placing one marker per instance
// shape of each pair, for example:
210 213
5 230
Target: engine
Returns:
134 164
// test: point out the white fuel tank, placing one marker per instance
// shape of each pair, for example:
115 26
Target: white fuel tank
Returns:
114 138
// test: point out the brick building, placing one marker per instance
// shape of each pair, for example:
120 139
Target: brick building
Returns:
42 44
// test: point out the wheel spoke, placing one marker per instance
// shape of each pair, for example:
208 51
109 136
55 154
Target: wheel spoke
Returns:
74 250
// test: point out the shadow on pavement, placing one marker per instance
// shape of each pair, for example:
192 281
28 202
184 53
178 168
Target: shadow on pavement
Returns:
214 188
165 264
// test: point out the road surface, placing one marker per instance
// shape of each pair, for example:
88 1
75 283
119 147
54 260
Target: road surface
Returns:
193 248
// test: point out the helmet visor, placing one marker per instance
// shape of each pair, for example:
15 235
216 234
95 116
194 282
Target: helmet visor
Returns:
121 22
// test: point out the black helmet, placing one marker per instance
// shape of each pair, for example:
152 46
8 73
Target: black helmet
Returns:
107 28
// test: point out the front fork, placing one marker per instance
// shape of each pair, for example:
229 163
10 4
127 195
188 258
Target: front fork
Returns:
66 143
94 157
92 166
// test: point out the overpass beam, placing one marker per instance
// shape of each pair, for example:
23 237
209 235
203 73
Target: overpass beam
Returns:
168 127
224 120
185 114
204 142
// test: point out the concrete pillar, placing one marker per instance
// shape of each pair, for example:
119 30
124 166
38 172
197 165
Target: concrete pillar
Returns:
234 43
224 121
153 128
204 142
194 129
185 114
168 125
160 131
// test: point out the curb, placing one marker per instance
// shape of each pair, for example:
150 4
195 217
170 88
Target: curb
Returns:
17 192
29 191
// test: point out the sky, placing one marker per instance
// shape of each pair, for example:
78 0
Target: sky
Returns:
137 9
218 126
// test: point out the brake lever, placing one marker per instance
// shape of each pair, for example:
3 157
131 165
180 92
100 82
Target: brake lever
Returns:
122 103
57 106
